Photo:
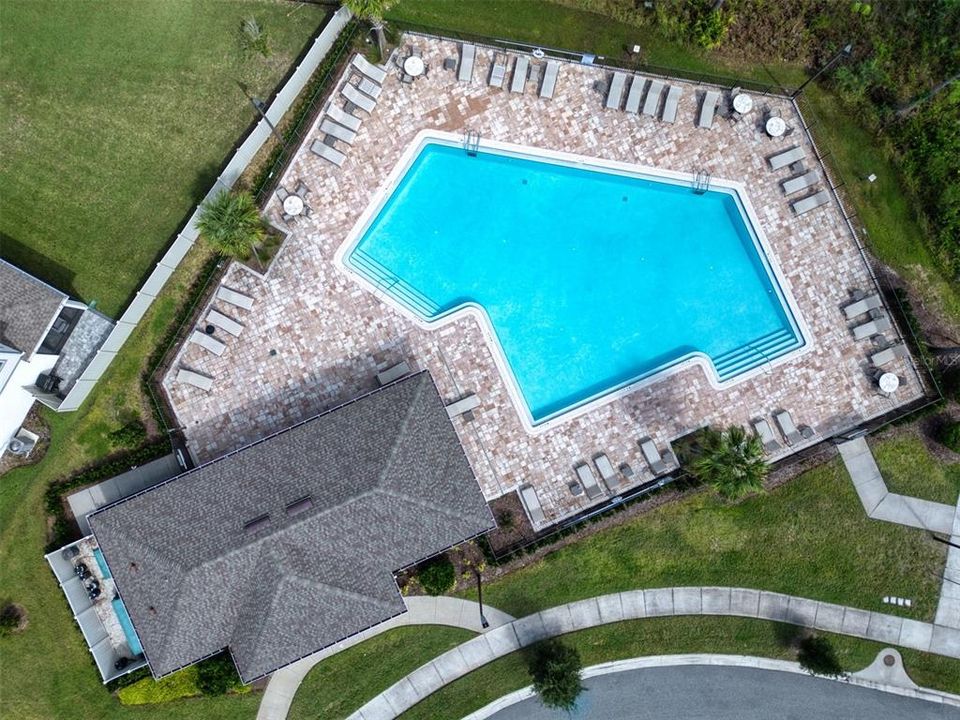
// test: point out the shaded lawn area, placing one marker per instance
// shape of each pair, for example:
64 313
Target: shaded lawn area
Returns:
909 469
115 119
342 683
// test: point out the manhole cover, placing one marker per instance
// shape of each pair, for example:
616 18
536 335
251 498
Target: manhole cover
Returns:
889 660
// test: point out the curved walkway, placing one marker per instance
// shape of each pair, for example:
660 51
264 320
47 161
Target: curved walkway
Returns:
637 604
420 611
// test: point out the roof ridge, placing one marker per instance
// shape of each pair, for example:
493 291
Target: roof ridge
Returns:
401 432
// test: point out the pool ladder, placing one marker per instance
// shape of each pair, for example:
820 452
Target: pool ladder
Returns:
701 182
471 142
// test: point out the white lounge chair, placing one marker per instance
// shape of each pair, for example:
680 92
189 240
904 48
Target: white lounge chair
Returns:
811 202
787 157
207 342
765 433
463 405
670 104
789 430
218 319
374 72
369 87
636 92
875 326
234 298
616 91
498 72
864 305
653 457
888 355
532 503
589 481
652 103
341 116
549 82
327 153
338 131
467 54
395 372
519 80
364 102
194 378
607 473
709 107
800 183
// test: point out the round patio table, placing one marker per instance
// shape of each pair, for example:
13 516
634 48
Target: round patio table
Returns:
413 66
776 127
889 382
743 103
293 205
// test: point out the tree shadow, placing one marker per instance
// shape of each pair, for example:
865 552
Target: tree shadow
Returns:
787 635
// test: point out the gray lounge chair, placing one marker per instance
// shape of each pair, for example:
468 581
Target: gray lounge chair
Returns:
789 430
811 202
342 117
218 319
498 72
519 74
327 153
707 110
395 372
194 378
670 104
654 459
888 355
234 298
607 473
207 342
549 79
800 183
875 326
374 72
338 131
616 91
369 87
364 102
864 305
467 55
528 496
652 103
589 481
636 92
463 405
765 433
787 157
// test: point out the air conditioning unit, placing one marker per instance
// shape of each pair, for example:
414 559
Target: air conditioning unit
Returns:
48 382
22 443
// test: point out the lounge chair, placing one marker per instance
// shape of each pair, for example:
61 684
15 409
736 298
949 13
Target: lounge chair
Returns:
811 202
328 153
395 372
337 131
607 473
528 496
616 91
864 305
369 87
636 92
375 73
207 342
654 459
670 105
875 326
362 101
218 319
589 481
652 103
709 107
888 355
193 378
800 183
234 298
520 68
765 433
787 157
467 54
789 430
463 405
549 82
341 116
498 72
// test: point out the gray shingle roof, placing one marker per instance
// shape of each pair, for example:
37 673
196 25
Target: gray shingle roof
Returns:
27 307
390 485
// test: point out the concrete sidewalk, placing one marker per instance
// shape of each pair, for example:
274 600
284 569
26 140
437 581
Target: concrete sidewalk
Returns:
660 602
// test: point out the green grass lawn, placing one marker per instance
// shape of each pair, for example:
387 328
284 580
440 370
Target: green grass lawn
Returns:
909 469
115 118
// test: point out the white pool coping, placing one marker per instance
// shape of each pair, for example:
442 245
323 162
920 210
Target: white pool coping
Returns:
737 190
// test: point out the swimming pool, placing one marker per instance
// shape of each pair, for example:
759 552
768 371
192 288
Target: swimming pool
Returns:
591 278
125 623
101 562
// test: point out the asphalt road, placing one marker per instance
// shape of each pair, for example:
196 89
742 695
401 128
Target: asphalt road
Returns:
693 692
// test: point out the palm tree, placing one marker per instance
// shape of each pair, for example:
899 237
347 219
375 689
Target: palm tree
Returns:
231 222
731 461
372 11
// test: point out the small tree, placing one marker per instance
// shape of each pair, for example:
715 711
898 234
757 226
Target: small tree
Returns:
817 656
555 669
217 675
731 461
231 222
372 11
438 577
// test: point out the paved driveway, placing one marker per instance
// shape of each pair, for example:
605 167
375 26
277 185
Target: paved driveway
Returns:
728 693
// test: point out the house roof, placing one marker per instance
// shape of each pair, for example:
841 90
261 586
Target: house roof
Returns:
27 307
388 485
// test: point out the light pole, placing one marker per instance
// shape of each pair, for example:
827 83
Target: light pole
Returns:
483 620
845 52
261 107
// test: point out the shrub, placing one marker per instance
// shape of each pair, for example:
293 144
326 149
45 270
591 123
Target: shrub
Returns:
131 435
217 675
173 687
437 577
555 669
817 656
950 436
11 615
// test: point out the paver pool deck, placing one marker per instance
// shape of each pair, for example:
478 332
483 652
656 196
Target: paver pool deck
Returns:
331 336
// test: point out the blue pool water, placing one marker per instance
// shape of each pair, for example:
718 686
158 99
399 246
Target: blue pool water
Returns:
132 640
98 556
591 280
